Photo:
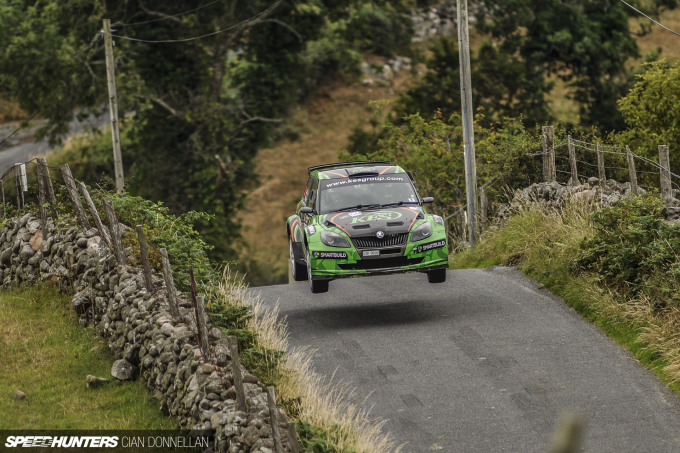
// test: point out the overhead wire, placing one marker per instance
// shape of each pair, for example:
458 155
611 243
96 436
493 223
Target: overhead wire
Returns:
165 41
170 16
643 14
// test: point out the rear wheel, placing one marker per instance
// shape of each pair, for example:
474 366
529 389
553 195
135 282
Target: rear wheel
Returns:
436 276
297 270
317 286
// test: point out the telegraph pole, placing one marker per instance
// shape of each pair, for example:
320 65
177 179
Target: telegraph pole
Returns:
467 114
113 107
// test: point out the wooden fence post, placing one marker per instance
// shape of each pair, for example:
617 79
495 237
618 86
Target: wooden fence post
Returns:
632 174
665 173
70 184
114 228
144 253
572 162
2 187
18 184
600 165
42 202
44 172
241 404
274 419
483 207
201 317
549 171
95 215
292 435
170 284
202 324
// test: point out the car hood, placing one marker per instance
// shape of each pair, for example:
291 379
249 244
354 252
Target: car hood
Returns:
368 223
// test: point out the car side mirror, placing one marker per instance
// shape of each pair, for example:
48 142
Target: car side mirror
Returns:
306 210
428 200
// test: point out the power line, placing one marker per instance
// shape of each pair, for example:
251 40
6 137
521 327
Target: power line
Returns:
169 16
643 14
252 19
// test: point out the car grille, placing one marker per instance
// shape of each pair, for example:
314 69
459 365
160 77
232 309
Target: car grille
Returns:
373 242
383 263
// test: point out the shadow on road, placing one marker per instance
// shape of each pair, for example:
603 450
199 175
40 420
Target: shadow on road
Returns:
364 315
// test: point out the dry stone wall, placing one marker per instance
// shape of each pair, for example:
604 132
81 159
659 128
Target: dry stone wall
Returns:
145 339
596 192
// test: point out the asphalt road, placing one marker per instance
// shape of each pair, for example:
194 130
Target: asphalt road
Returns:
20 145
486 362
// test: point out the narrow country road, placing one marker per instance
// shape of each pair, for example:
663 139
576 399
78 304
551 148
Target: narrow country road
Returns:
19 144
486 362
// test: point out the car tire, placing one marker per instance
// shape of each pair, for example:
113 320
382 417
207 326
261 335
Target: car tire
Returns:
436 276
317 286
297 270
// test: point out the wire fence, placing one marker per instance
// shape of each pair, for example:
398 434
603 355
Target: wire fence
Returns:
575 162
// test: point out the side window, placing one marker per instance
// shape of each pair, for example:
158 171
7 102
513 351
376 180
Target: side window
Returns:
308 191
312 192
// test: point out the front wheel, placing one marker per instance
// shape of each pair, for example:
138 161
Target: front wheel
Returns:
436 276
317 286
297 270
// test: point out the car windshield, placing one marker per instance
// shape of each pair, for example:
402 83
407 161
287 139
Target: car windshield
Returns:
367 192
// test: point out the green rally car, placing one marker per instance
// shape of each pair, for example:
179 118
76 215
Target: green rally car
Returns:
363 218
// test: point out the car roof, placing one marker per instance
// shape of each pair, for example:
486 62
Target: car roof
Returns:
354 169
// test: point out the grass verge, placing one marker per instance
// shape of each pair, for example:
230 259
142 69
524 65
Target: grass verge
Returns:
47 355
545 245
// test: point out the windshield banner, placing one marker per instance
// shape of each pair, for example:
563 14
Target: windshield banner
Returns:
367 180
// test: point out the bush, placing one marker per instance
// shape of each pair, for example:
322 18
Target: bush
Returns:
635 251
185 246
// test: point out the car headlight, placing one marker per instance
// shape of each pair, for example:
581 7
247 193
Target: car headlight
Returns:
422 232
334 239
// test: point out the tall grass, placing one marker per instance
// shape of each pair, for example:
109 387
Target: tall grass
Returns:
546 244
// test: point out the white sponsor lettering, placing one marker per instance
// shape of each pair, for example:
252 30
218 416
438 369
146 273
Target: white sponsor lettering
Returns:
345 182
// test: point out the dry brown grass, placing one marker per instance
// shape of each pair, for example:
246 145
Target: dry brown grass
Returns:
10 110
668 42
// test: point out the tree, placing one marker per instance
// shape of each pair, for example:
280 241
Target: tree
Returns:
652 113
501 87
585 43
45 58
203 86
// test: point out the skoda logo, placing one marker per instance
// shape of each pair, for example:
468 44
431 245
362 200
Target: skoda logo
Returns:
380 234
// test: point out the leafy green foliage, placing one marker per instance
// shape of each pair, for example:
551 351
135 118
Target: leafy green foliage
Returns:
382 28
234 320
652 114
186 248
584 43
43 45
501 87
202 107
314 439
432 149
635 251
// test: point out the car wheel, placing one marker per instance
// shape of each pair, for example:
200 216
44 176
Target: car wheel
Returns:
436 276
297 270
317 286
